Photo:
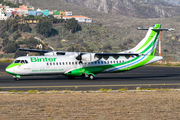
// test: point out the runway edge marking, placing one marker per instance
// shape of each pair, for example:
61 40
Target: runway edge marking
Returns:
90 86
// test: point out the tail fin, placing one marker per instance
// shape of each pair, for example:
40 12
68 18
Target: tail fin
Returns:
148 44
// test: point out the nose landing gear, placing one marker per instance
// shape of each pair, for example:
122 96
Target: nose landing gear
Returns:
16 78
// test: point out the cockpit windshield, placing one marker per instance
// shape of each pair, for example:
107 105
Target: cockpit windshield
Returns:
21 61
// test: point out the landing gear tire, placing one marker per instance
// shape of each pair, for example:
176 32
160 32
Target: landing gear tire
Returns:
90 77
70 77
16 79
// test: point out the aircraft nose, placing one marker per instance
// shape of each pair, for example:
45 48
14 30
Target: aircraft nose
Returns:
9 69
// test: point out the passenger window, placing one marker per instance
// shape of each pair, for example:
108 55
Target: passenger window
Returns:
66 63
53 63
116 61
123 61
111 62
108 62
63 63
72 63
47 63
104 62
59 63
76 63
98 62
50 63
119 61
69 63
101 62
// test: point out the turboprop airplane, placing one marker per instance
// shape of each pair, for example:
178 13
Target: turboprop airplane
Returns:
81 64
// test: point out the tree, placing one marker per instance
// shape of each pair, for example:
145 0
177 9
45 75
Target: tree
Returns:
16 35
31 43
3 35
26 28
73 25
19 53
44 27
10 47
5 41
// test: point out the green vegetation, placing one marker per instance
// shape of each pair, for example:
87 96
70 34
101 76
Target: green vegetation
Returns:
72 25
123 89
104 90
11 47
33 91
44 27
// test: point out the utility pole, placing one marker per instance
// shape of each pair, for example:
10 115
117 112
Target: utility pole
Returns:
159 44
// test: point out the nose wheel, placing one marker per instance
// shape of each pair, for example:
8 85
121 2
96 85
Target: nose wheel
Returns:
16 79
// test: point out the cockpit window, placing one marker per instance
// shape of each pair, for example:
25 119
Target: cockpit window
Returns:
17 61
26 61
21 61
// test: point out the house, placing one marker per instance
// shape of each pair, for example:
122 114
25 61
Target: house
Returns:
68 13
2 15
45 13
22 10
62 14
3 8
80 19
34 13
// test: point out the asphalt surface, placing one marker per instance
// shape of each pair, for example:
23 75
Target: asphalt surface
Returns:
144 77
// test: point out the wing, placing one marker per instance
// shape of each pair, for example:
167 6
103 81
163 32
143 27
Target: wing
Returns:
44 52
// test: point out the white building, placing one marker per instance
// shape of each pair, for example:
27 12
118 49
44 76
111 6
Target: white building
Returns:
80 19
8 9
68 13
2 15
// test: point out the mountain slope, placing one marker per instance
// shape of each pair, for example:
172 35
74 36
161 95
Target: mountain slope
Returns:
134 8
19 1
174 2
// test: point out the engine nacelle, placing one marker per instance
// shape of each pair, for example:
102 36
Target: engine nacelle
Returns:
50 53
89 57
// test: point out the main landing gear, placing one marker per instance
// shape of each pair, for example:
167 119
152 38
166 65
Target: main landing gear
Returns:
71 77
90 77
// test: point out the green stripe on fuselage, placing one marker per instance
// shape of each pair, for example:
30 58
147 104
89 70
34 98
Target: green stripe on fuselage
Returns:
13 65
150 57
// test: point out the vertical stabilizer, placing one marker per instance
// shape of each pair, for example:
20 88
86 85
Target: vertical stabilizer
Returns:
148 44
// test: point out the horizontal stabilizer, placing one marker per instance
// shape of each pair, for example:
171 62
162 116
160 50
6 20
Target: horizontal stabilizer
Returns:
162 29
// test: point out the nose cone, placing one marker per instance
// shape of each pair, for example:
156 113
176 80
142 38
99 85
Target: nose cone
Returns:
9 69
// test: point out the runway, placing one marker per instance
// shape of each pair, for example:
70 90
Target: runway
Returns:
146 76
